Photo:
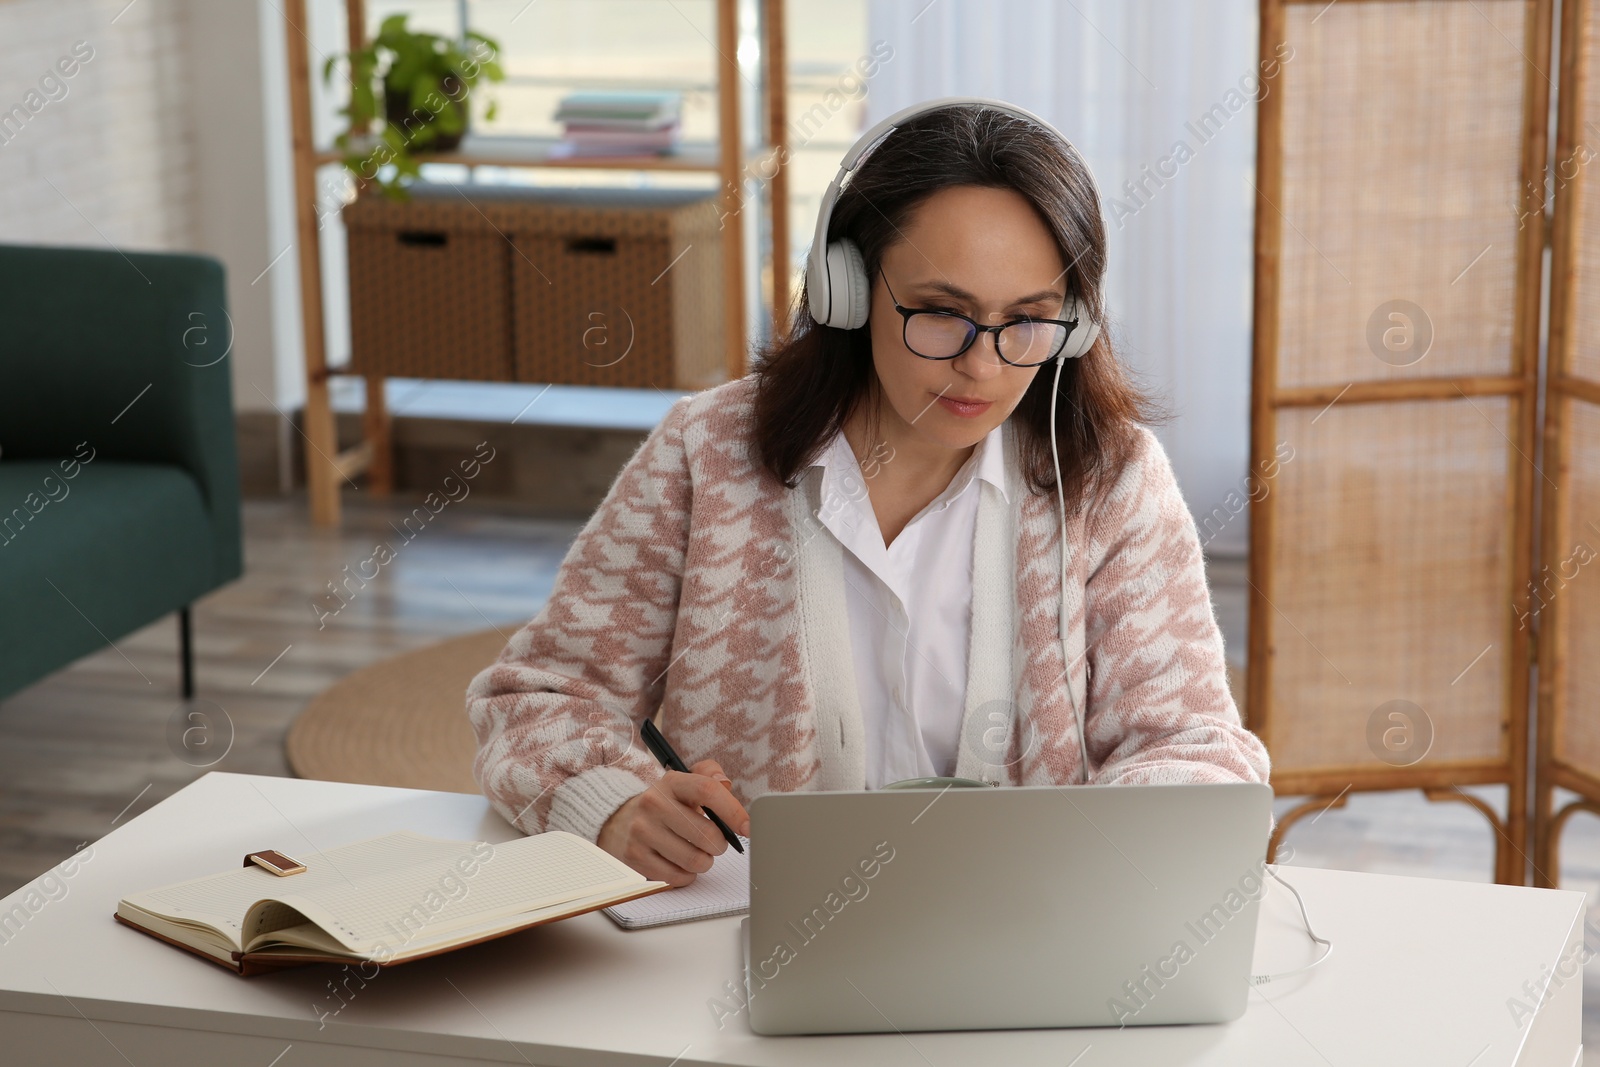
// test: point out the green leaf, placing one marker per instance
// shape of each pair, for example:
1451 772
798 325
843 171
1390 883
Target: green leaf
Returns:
449 119
411 65
474 35
427 82
363 103
420 137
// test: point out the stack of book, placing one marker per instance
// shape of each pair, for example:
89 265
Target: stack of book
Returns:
619 124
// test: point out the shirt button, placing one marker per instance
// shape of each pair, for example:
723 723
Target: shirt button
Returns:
897 698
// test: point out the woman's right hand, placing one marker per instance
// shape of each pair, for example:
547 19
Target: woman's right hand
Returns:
663 834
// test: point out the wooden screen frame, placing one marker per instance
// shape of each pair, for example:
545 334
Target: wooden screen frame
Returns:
1550 629
1438 781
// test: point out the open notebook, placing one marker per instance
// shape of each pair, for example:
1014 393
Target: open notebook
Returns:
386 900
723 890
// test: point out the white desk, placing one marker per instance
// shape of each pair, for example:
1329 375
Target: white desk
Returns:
1421 973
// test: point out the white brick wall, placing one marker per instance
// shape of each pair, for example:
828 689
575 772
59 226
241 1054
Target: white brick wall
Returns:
110 161
174 136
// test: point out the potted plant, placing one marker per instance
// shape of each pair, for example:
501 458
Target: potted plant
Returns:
424 83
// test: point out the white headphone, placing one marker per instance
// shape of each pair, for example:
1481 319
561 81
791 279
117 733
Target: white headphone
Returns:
837 288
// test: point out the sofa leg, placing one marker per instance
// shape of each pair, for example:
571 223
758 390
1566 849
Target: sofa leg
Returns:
185 652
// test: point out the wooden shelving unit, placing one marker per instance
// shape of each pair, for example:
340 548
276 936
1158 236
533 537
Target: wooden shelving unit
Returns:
729 158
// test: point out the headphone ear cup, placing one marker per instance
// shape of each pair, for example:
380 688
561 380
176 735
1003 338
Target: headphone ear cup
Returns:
818 299
1083 337
848 288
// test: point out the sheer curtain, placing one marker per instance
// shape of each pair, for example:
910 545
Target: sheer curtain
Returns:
1157 94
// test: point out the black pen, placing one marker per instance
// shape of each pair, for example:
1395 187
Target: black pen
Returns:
656 742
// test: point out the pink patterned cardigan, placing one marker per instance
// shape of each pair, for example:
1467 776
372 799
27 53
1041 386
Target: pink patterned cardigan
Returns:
706 593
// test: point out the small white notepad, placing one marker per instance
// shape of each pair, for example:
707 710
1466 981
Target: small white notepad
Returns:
723 890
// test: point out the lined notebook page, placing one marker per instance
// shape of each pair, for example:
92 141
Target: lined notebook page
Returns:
723 890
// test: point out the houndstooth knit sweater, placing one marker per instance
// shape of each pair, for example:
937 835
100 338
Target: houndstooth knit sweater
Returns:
706 593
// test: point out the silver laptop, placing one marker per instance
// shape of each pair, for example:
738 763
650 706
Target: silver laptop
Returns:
974 909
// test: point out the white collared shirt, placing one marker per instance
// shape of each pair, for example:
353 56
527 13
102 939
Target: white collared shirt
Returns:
910 608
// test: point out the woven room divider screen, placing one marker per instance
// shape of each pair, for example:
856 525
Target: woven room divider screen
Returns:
1566 588
1399 243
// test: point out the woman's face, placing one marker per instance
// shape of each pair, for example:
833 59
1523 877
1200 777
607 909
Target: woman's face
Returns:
986 253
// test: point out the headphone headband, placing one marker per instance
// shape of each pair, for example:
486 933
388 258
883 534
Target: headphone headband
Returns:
836 283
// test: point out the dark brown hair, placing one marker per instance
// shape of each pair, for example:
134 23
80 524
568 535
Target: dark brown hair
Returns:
809 382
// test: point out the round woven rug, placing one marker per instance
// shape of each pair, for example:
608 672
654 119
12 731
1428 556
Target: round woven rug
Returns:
401 721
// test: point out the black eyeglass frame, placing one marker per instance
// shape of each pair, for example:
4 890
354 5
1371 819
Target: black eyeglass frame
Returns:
978 330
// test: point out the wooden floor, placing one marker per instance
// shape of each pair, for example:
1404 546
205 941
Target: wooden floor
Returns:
96 744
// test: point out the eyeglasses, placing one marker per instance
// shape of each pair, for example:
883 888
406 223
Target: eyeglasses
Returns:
1024 342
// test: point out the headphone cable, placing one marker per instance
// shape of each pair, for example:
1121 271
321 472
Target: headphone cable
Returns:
1327 946
1061 499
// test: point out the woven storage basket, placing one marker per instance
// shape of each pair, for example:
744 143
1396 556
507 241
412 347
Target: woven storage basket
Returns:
430 289
614 287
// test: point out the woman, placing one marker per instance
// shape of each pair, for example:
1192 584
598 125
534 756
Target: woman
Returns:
845 568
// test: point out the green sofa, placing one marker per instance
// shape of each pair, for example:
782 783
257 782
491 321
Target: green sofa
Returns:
119 472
